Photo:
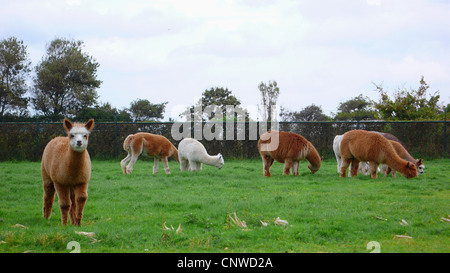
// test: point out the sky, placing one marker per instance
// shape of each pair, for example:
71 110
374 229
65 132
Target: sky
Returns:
318 51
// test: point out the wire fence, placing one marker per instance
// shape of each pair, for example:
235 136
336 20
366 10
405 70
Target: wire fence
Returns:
27 140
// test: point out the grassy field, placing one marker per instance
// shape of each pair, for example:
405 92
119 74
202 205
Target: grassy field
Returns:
325 213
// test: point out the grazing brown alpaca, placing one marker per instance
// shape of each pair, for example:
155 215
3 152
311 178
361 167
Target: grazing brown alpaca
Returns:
66 168
404 154
360 145
291 149
156 146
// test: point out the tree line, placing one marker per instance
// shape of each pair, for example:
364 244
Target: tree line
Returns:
64 84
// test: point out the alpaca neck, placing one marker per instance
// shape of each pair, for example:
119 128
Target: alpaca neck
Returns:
409 158
175 154
313 157
211 160
397 163
76 159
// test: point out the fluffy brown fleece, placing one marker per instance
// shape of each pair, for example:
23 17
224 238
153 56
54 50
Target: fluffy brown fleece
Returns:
291 149
153 145
68 172
360 145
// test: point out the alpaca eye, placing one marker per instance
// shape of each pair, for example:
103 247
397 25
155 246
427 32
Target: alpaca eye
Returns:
85 136
71 135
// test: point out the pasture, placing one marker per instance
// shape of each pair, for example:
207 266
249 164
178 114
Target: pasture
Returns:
325 213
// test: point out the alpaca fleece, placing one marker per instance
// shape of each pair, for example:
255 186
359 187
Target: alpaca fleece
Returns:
404 154
360 145
66 169
193 154
148 144
291 149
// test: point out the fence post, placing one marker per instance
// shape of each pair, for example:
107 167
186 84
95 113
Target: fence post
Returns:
445 133
36 155
115 136
357 120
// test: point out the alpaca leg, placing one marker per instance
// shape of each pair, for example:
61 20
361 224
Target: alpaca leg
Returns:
80 193
73 207
267 163
124 162
355 167
156 165
344 165
64 201
49 197
389 170
133 160
199 166
184 165
339 163
191 165
295 168
373 169
287 166
166 164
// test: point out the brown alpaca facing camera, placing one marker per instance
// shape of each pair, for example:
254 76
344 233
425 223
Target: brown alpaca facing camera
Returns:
360 145
287 148
66 168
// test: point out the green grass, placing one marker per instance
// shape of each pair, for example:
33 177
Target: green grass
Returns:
326 213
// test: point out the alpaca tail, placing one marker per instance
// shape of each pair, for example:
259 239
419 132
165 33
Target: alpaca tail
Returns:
127 143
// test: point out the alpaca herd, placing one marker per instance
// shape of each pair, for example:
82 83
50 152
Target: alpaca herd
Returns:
66 165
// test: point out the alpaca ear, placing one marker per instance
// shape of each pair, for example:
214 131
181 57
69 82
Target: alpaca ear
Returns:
89 125
67 125
408 165
420 161
220 155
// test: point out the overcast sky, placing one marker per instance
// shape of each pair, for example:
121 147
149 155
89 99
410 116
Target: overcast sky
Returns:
320 52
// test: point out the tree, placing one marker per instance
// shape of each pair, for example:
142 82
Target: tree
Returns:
309 113
66 80
409 105
14 70
143 109
305 123
214 100
103 112
269 97
357 108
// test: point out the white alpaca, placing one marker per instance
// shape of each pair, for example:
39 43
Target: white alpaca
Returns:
364 167
192 155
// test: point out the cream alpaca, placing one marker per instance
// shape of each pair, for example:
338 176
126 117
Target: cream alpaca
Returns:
66 168
193 154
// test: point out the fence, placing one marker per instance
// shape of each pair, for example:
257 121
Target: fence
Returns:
27 140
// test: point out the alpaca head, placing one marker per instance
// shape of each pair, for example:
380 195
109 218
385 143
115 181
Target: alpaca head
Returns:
220 161
420 166
78 134
410 170
314 166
